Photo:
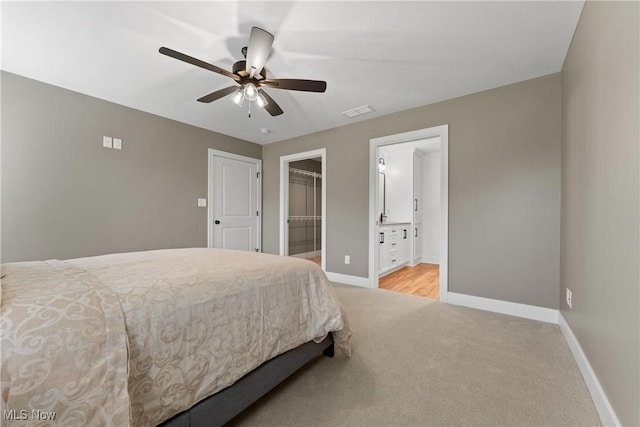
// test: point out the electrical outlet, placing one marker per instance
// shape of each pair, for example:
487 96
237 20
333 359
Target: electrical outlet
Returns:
569 295
107 142
347 259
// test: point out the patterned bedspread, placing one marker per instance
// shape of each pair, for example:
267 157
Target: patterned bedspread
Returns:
133 339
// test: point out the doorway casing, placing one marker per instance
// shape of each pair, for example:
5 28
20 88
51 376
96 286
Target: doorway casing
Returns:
284 200
374 145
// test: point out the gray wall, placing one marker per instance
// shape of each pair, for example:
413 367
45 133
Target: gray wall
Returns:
504 189
65 196
600 198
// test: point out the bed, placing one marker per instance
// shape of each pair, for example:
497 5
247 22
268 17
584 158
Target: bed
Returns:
184 337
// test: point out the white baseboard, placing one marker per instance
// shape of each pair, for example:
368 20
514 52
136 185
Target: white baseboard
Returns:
431 259
605 410
533 312
348 280
394 269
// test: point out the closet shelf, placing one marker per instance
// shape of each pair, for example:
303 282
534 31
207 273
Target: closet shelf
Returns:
305 173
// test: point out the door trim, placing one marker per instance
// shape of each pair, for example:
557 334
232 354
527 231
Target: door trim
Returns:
374 144
210 155
284 200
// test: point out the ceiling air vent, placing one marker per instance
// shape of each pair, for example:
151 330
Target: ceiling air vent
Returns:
365 109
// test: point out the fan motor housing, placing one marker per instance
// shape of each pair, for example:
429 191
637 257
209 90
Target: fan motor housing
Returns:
240 69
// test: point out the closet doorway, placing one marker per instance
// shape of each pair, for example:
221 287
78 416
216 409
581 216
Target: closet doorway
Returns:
303 206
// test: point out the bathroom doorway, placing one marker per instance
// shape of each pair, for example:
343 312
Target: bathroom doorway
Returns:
408 219
412 170
303 206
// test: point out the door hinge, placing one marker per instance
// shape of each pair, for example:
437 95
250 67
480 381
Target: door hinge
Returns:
258 175
257 213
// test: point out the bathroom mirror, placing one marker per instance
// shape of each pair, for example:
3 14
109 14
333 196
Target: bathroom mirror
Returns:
382 206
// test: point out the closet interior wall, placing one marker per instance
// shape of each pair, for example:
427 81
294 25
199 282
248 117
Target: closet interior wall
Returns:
305 210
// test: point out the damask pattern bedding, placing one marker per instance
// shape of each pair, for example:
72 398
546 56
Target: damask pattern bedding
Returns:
133 339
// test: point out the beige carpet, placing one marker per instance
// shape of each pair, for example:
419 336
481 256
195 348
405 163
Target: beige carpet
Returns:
418 362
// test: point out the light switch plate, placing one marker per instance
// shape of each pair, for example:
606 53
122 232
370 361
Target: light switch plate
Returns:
117 143
202 203
107 142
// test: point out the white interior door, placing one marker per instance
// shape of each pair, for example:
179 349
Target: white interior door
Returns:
234 212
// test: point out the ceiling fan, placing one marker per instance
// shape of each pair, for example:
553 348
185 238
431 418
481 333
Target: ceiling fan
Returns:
249 75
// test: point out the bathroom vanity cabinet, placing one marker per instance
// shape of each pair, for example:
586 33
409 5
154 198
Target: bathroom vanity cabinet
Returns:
394 246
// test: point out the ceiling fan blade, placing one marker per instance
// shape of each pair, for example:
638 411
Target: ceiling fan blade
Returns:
198 63
260 42
218 94
296 84
272 107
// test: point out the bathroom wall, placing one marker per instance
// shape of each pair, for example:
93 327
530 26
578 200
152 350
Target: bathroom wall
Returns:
431 207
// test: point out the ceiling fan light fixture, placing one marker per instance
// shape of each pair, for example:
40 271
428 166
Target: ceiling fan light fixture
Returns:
261 101
250 92
238 97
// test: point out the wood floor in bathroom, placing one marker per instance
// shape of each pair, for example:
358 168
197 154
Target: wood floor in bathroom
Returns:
421 280
317 260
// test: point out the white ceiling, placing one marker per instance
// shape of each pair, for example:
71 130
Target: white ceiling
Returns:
392 55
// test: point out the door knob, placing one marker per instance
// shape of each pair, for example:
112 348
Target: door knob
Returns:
217 221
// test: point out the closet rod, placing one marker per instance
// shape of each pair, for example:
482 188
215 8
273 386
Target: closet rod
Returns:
305 218
307 183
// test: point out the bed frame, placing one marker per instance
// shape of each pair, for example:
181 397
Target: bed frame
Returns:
221 407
